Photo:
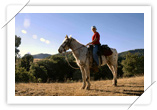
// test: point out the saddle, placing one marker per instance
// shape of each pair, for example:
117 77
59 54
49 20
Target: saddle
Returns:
102 50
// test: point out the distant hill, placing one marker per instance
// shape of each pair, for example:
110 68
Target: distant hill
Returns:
69 53
41 55
140 52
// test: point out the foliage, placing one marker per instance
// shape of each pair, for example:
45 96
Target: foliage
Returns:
26 61
133 65
39 80
139 52
17 44
56 69
39 72
76 75
53 69
21 75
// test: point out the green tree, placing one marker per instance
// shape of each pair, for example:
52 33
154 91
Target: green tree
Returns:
26 61
21 75
76 75
62 71
39 72
17 44
141 64
133 64
57 68
120 66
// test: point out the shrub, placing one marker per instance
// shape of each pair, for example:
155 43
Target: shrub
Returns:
77 75
133 65
26 61
39 72
21 75
39 80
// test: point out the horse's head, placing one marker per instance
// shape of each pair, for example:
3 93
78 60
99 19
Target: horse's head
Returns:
65 45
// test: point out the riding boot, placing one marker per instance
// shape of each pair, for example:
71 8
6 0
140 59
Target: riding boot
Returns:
95 68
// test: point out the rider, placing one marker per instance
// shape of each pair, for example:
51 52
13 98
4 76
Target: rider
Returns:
95 42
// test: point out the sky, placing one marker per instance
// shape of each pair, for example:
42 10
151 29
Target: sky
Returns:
45 32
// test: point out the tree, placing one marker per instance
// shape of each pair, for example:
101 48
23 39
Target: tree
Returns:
61 70
17 44
21 75
56 67
141 64
133 64
39 72
26 61
120 66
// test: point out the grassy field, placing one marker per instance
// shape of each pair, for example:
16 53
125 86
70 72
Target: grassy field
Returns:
36 60
133 86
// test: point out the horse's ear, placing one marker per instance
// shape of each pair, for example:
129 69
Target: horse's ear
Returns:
70 36
66 36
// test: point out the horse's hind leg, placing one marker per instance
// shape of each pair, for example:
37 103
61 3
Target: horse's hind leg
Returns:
114 72
114 75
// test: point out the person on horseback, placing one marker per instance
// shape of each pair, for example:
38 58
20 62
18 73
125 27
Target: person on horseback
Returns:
95 42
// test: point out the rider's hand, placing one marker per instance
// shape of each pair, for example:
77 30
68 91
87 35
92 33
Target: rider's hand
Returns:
87 44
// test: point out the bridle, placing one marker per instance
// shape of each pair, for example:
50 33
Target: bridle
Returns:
68 44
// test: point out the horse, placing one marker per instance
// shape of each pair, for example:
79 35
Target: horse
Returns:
79 52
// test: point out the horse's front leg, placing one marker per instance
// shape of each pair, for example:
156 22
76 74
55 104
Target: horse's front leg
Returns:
87 70
83 78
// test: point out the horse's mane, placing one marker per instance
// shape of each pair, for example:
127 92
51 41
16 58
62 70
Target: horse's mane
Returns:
76 40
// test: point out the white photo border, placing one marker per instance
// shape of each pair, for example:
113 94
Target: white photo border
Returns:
12 99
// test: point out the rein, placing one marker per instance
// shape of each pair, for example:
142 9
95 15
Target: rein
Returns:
69 42
67 58
69 63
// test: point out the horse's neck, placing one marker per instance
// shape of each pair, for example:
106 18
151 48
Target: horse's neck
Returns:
76 47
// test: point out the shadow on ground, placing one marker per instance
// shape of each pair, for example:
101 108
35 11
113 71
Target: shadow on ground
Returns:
124 91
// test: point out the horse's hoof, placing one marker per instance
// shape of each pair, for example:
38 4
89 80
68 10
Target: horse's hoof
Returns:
88 88
82 87
115 85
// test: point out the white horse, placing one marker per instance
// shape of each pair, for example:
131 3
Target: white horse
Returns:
80 53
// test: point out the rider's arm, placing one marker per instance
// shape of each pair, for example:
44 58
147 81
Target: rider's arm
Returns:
92 41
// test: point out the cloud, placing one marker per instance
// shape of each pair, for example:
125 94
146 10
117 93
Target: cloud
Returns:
34 36
23 31
29 53
47 41
26 23
42 39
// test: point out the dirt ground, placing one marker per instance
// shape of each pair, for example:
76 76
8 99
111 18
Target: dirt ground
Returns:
133 86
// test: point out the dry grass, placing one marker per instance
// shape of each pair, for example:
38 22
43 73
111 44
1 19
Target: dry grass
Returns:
36 60
126 87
